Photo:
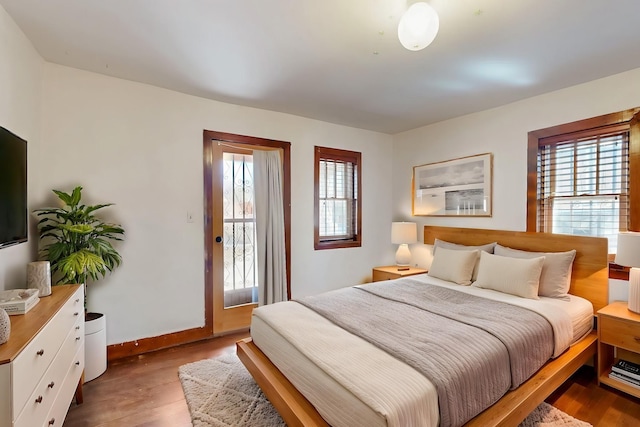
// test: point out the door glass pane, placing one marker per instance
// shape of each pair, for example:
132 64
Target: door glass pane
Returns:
240 275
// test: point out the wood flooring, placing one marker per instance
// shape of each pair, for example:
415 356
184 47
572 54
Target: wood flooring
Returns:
145 391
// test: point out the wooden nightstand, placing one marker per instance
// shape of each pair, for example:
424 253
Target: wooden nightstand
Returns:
391 272
619 330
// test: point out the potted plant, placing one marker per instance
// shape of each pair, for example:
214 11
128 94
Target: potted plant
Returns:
77 245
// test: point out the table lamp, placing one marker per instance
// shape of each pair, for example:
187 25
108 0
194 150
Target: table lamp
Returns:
628 255
403 233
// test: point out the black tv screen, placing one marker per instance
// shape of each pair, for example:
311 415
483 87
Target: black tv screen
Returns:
13 189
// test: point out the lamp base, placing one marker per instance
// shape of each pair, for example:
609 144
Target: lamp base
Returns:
634 290
403 256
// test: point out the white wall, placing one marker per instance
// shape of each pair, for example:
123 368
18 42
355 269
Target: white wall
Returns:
141 147
503 132
20 94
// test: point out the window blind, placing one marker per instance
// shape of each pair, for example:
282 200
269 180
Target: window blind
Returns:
337 194
583 183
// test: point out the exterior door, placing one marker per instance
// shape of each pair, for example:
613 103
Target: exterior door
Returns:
235 287
230 287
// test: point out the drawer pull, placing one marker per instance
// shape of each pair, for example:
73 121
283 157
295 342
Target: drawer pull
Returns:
52 421
77 299
76 313
78 363
51 384
40 352
77 338
77 328
39 399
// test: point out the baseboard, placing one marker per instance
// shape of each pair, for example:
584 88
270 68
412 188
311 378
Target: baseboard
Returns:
146 345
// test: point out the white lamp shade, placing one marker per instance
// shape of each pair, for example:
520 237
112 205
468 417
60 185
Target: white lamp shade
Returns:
628 255
404 232
418 26
628 252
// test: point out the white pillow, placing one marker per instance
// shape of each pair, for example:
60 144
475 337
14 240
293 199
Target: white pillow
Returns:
513 276
453 265
448 245
556 270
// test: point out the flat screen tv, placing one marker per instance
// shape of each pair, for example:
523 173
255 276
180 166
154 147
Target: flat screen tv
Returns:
13 189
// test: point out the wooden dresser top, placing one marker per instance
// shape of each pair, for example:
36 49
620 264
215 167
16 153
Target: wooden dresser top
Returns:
26 326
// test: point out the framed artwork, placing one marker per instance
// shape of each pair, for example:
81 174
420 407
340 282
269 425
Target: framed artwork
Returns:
459 187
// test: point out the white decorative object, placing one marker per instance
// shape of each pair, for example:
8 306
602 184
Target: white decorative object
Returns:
628 255
39 277
95 346
18 301
403 233
418 26
5 326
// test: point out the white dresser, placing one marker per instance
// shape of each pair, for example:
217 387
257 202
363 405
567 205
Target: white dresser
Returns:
41 364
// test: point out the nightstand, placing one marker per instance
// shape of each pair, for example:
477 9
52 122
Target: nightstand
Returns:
618 338
391 272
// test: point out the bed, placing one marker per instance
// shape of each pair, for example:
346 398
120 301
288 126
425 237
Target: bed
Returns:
333 381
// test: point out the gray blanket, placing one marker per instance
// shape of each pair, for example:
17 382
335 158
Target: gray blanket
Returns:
472 349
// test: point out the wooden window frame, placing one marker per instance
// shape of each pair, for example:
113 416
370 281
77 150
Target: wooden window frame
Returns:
553 166
336 154
630 117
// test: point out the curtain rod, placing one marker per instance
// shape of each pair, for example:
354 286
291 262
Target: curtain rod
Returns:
237 147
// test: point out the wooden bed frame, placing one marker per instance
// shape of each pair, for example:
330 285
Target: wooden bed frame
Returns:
589 280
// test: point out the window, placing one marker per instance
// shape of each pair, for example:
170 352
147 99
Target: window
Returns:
338 205
583 185
580 173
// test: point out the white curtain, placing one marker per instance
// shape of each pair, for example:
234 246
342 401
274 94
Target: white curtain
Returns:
268 187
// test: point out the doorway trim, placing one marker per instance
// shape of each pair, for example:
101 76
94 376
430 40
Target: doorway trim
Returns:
208 138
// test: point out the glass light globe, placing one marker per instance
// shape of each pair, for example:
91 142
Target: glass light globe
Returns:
418 26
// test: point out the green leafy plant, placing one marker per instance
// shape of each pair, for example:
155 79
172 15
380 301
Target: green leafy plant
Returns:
77 243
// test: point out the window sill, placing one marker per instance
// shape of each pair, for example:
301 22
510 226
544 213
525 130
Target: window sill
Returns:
337 244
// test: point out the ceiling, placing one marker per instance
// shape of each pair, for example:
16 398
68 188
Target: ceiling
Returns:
340 61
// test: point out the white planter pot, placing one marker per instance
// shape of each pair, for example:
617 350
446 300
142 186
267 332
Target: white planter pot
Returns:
95 346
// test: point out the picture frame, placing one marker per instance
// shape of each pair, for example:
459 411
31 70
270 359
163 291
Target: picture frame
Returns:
458 187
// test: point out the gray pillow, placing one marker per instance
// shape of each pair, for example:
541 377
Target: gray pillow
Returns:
556 269
454 265
448 245
520 277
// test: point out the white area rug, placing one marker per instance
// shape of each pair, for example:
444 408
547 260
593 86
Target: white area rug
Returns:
220 392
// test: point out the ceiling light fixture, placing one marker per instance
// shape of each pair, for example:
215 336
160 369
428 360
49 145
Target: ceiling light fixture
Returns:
418 26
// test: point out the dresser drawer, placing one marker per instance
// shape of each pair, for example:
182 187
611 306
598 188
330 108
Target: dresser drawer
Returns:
620 333
5 391
61 405
35 359
379 276
54 412
45 393
41 400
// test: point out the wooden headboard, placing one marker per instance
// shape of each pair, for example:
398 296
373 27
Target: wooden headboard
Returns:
589 279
